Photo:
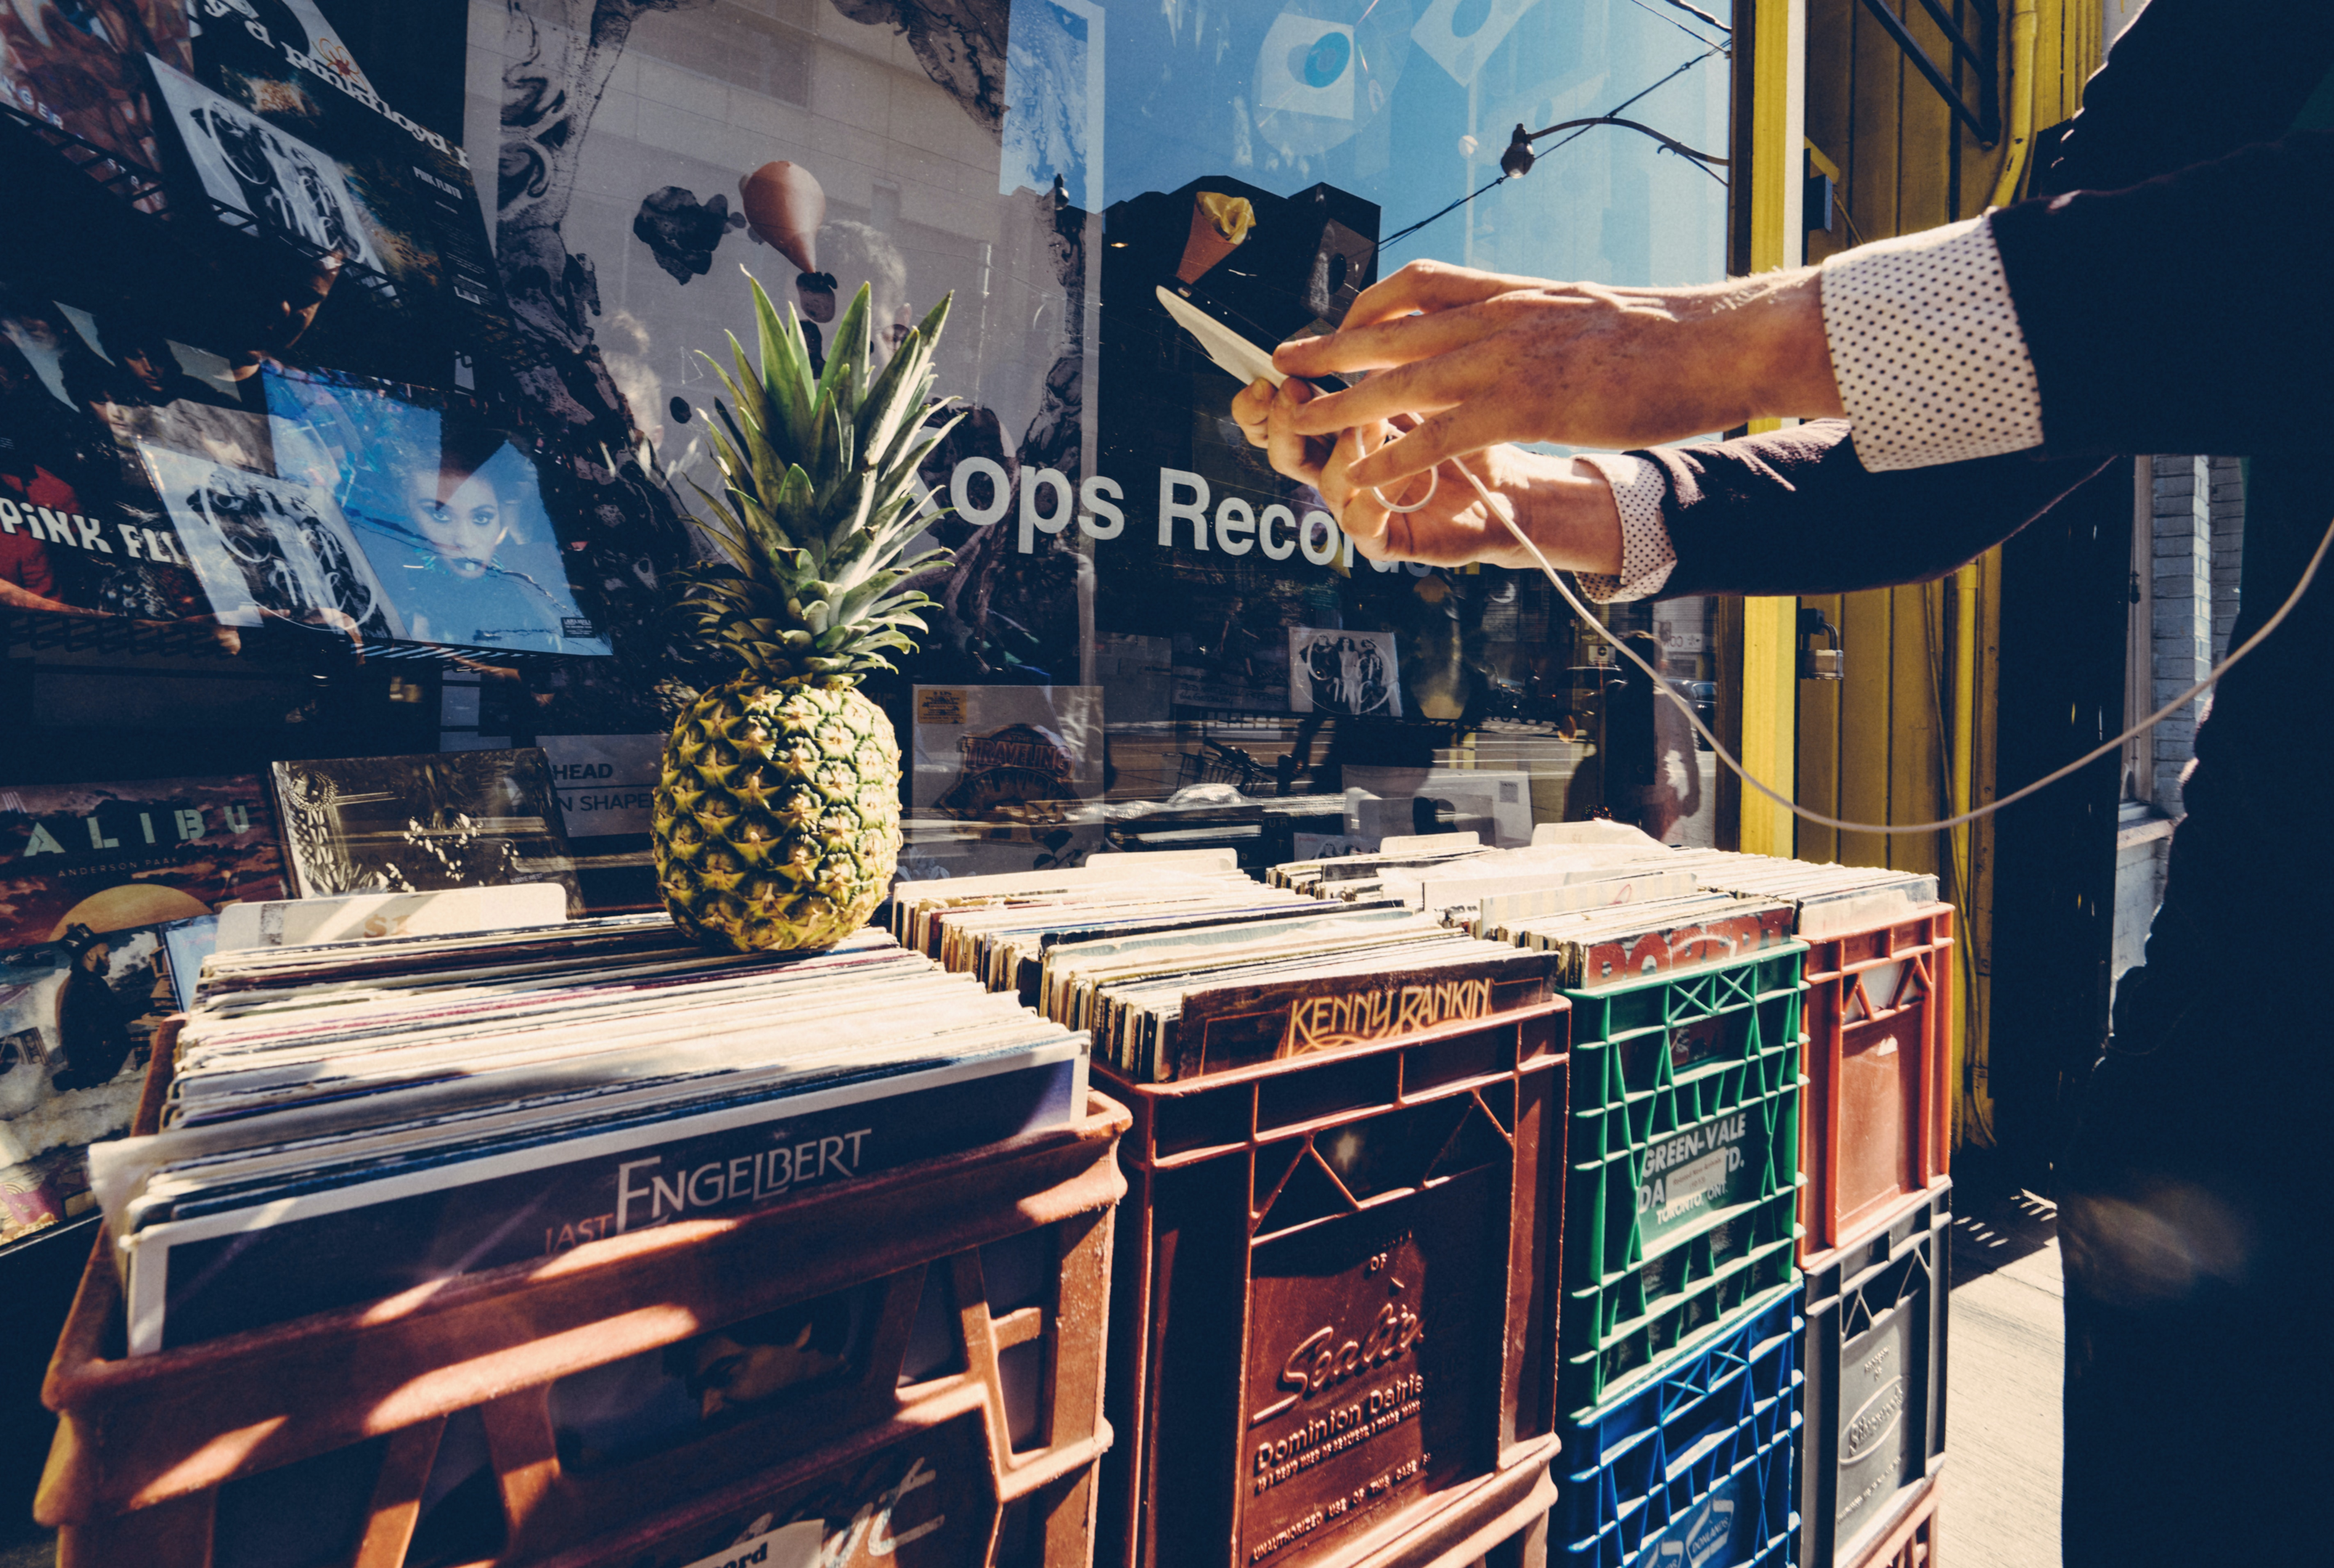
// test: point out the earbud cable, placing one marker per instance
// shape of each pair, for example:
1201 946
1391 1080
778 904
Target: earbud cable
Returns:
1501 510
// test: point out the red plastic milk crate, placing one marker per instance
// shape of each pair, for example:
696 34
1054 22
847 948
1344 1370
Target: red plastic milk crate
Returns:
1332 1314
1874 1127
959 1427
1912 1542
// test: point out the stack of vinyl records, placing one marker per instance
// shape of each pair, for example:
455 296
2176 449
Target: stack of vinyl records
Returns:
1177 973
1489 891
1825 899
348 1122
1615 905
1367 875
1613 946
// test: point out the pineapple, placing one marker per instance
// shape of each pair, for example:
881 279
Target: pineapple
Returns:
776 818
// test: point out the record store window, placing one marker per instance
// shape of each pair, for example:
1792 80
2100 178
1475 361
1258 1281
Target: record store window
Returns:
433 277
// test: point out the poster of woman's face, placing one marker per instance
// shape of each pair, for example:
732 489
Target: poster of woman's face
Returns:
447 508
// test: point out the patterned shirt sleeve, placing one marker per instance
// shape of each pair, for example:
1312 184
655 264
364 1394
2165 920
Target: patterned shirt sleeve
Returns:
1931 365
1639 488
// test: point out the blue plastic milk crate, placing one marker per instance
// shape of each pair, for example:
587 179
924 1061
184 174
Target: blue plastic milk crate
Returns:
1693 1468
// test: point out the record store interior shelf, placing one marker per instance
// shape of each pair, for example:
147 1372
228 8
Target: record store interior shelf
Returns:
1683 1186
1332 1338
1879 1020
951 1317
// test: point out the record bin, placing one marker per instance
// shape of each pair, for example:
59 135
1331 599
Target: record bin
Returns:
1333 1316
1681 1184
915 1358
1879 1021
1695 1465
1876 1365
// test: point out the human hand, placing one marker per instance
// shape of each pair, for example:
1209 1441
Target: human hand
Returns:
1480 358
1563 504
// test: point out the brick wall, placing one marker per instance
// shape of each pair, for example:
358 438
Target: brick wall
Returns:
2228 507
2198 520
2181 647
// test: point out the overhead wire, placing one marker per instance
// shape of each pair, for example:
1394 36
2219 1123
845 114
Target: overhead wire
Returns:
1499 509
1681 26
1583 127
1698 11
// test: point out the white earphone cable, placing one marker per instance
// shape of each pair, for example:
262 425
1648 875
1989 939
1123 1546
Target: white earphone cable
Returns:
1501 510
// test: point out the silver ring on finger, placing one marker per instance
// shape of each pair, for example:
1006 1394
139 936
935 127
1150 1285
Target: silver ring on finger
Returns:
1433 482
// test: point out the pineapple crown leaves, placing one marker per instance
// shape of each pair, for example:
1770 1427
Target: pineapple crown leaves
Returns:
818 500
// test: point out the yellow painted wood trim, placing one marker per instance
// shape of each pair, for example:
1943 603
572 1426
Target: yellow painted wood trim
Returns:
1770 652
1770 720
1777 132
1770 648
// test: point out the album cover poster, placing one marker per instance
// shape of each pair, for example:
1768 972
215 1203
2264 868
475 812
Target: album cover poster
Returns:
270 547
91 876
109 856
606 788
80 68
1342 672
447 506
415 824
1005 753
186 944
606 784
268 177
341 167
81 528
76 1028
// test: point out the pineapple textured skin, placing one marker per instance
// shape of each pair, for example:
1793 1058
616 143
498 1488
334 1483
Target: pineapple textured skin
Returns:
776 820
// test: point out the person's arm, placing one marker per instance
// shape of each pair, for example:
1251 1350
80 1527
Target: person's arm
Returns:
2083 324
1797 511
2102 322
1984 369
2151 332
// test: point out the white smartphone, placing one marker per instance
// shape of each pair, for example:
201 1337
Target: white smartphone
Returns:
1231 344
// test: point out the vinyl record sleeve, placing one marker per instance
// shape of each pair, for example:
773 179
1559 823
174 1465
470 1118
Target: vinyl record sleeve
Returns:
523 1058
1235 1025
366 917
266 547
410 825
196 1279
265 1175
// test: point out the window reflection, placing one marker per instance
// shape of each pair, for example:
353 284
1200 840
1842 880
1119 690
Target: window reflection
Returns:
1148 639
427 356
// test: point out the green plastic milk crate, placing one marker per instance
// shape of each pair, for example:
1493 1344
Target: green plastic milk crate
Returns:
1682 1195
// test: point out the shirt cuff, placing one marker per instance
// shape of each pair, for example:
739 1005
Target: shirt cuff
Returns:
1639 488
1926 348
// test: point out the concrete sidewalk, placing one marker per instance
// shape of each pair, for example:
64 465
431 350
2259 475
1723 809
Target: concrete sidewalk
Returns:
2005 1352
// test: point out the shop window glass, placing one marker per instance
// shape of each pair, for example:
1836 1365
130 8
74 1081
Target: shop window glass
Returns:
318 361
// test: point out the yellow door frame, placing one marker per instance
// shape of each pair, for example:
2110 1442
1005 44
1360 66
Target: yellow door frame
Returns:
1767 650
